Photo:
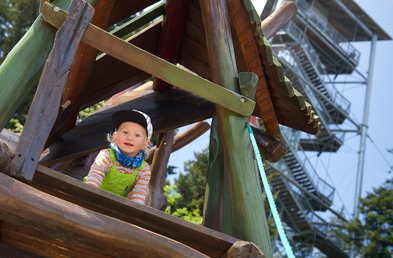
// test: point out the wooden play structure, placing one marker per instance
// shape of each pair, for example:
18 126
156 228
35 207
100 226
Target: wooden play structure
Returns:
179 61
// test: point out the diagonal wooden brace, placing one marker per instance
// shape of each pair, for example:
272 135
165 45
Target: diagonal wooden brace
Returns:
43 110
132 55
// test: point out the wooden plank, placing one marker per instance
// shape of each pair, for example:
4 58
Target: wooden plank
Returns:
171 35
127 29
42 113
151 64
78 75
76 228
126 8
110 76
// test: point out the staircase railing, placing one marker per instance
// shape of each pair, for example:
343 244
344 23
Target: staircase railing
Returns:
298 35
325 229
337 39
292 137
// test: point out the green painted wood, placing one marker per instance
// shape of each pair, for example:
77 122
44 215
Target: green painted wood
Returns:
213 213
132 55
125 30
241 182
21 69
248 84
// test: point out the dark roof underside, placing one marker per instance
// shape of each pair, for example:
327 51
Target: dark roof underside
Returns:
348 25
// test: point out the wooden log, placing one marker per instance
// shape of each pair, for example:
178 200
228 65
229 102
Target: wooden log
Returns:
63 224
42 113
11 250
279 18
213 210
5 158
128 53
244 194
190 134
159 167
244 249
207 241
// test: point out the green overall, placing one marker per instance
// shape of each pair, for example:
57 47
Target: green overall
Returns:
118 182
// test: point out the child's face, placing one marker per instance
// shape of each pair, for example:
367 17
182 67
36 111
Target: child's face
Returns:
130 138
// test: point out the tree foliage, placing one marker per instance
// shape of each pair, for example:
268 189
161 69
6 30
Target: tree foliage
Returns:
16 16
186 196
372 233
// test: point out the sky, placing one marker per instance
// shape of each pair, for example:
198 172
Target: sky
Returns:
340 169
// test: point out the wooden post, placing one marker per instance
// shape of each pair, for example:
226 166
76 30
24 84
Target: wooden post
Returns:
43 111
213 210
245 204
159 165
169 47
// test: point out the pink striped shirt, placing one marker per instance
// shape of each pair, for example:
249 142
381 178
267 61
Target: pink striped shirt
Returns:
102 165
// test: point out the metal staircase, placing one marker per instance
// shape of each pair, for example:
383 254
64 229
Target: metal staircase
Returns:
305 71
301 193
305 223
345 57
310 67
314 71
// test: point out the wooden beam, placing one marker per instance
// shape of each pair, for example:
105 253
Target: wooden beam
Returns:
279 18
61 223
43 110
151 64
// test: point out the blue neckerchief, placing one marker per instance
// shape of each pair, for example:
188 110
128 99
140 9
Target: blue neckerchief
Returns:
127 161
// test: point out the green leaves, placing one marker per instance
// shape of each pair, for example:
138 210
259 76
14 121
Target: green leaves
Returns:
372 233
